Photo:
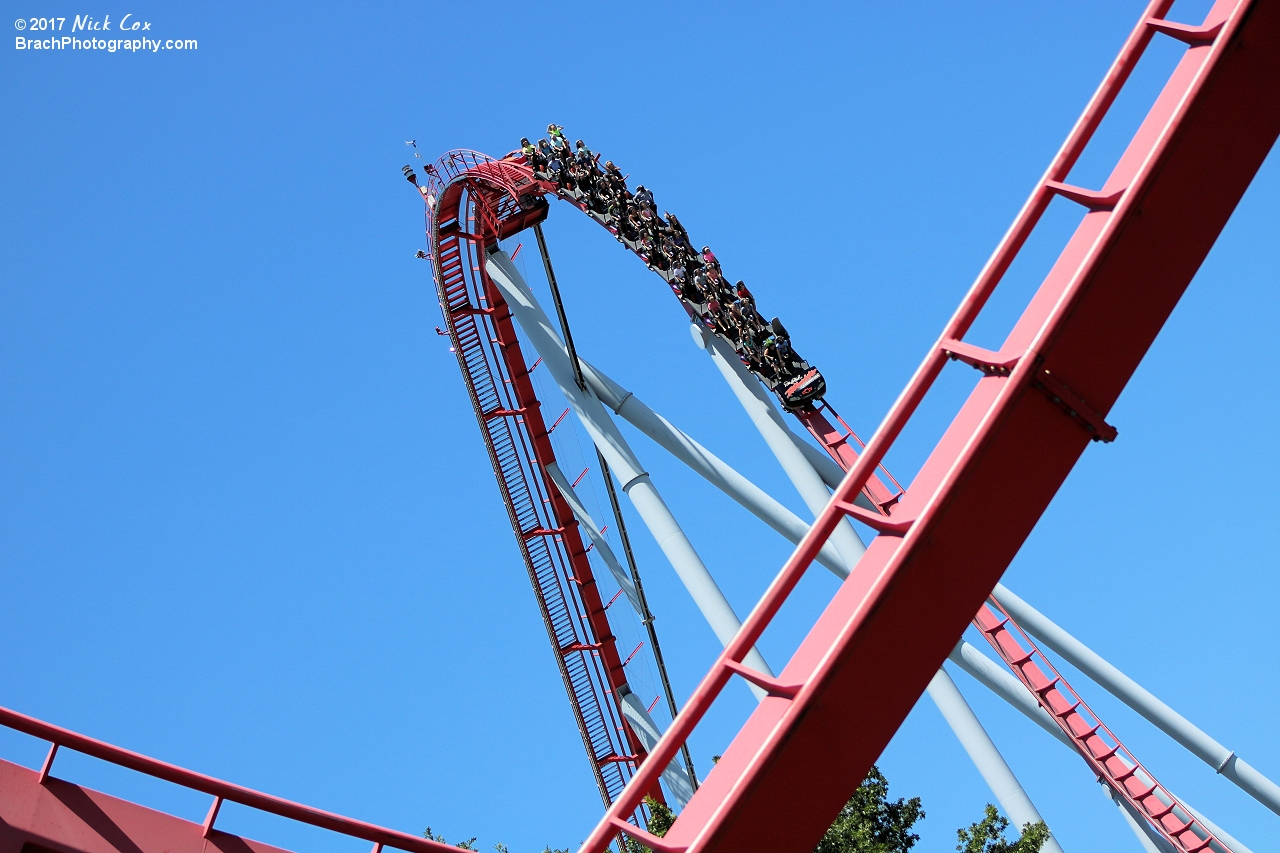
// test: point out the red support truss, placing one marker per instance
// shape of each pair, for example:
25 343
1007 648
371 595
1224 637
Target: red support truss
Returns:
465 213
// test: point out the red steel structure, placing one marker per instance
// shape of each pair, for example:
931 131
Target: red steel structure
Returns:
1102 750
1042 398
519 444
944 541
1082 263
43 814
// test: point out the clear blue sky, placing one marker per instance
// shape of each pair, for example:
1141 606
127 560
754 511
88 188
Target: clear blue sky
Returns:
247 523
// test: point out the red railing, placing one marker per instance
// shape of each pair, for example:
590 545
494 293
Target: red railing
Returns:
221 791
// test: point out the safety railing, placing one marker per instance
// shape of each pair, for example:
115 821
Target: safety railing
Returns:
60 738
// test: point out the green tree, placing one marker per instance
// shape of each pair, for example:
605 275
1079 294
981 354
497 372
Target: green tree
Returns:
987 835
462 845
872 823
869 823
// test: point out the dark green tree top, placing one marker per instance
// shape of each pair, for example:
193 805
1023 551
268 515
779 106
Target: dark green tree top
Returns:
987 836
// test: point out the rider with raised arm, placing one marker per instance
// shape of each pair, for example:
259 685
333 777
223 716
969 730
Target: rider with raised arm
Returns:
556 134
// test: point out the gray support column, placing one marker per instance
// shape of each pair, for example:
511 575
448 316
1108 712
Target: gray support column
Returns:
990 763
647 730
635 480
1005 684
587 523
1223 836
1127 690
1151 841
827 469
719 474
781 440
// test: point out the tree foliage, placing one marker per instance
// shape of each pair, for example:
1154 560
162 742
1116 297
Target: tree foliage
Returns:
869 823
469 844
987 836
872 823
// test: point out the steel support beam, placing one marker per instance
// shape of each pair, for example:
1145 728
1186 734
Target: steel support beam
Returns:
587 523
1151 841
705 463
784 444
635 481
1124 688
646 728
986 757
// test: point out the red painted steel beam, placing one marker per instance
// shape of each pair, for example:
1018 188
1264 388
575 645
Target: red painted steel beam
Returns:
65 818
890 626
28 810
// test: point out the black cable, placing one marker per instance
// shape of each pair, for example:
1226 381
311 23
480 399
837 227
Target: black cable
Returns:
646 614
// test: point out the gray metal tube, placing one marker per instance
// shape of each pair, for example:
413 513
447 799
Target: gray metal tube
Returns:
635 480
646 728
1223 836
986 757
1151 841
827 469
1004 684
784 444
1124 688
719 474
597 538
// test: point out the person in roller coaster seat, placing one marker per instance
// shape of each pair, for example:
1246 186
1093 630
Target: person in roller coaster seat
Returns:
680 283
678 235
726 307
632 225
556 134
545 154
532 156
701 285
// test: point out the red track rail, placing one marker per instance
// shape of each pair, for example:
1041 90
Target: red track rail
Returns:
1041 400
66 822
464 212
515 179
1101 750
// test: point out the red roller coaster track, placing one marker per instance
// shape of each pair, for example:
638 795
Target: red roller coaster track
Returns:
1029 361
943 543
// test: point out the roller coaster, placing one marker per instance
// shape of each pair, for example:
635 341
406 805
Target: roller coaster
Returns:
900 611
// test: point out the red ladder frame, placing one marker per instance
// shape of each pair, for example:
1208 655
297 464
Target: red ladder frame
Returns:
465 212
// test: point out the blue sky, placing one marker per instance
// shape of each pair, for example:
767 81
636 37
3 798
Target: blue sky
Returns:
248 525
